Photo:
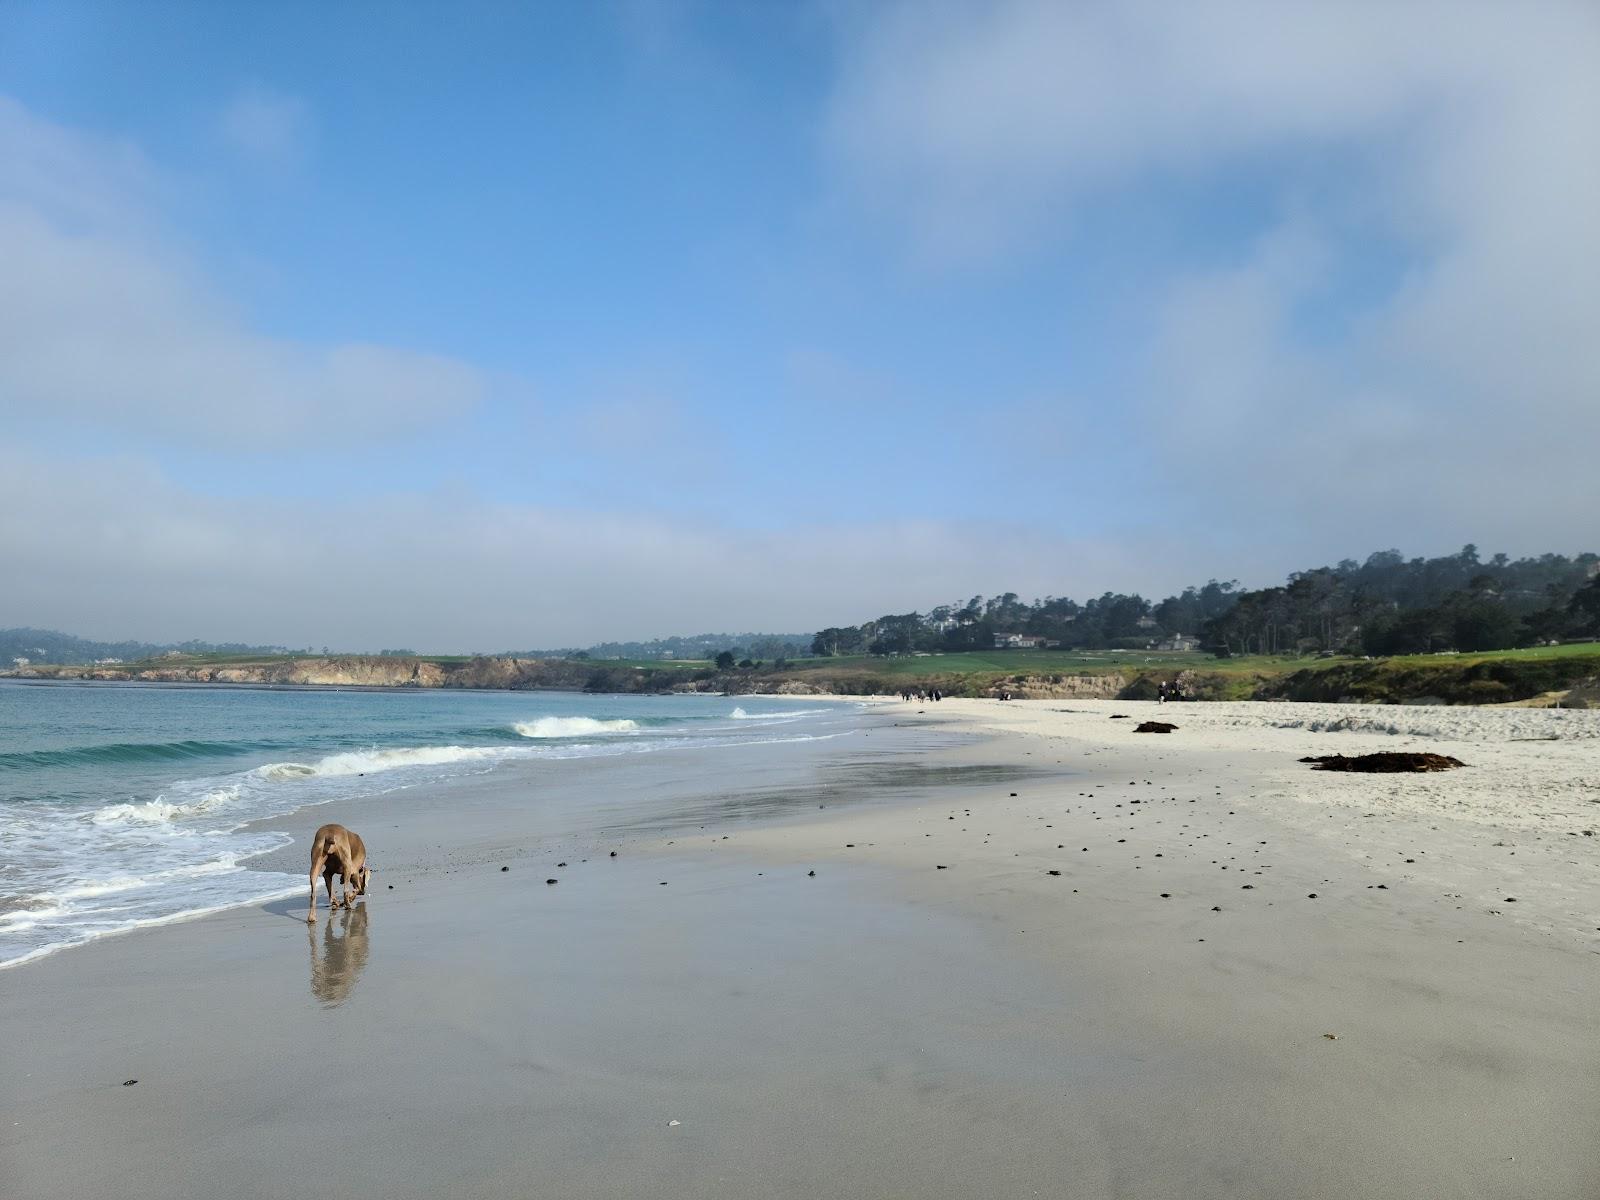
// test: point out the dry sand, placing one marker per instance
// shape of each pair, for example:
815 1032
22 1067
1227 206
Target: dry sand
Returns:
1149 1022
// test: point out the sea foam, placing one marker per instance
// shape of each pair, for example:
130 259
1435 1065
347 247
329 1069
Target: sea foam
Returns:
565 727
739 714
363 762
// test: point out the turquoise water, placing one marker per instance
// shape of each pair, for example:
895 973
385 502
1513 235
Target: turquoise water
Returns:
122 805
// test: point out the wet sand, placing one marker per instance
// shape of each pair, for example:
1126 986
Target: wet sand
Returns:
882 1027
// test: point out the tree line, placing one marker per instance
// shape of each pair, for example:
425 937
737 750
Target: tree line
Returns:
1387 604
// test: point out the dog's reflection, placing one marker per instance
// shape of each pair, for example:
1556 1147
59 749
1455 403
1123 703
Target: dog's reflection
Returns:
338 955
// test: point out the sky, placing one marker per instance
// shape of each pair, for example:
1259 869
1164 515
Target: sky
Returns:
492 326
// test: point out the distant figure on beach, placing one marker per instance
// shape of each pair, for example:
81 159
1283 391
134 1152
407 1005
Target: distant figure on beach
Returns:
1161 692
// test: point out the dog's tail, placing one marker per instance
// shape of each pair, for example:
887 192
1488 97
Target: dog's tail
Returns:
328 844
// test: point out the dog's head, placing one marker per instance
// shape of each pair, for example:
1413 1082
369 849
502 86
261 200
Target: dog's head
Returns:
361 879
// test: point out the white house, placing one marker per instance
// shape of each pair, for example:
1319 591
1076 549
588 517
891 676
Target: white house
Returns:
1178 641
1022 641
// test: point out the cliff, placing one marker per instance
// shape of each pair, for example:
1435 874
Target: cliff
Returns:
340 671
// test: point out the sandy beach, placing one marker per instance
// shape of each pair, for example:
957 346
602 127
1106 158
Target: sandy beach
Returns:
971 949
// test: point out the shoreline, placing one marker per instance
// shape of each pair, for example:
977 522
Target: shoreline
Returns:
988 1028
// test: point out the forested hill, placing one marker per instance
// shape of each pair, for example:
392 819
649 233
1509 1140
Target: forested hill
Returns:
50 646
1388 604
767 647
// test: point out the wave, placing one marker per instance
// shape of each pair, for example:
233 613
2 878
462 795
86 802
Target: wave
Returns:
67 925
565 727
127 752
160 809
363 762
739 714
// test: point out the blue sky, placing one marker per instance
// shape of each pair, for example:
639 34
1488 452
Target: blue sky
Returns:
482 326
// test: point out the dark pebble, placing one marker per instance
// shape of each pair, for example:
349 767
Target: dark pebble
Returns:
1311 895
1216 908
1247 887
1511 899
1166 895
129 1082
561 864
941 867
550 881
809 873
613 854
1052 872
502 868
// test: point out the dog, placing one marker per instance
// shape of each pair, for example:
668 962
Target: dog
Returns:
335 850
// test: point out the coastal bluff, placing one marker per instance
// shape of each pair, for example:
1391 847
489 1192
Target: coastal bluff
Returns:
501 673
334 671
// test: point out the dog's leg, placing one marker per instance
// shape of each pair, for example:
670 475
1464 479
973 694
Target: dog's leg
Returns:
316 869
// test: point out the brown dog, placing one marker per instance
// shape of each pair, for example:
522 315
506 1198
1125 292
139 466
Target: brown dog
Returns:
337 851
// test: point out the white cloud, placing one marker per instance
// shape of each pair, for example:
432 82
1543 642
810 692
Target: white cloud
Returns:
1460 402
269 129
448 572
104 321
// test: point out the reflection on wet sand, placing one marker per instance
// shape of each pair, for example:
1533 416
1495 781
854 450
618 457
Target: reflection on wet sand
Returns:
339 957
857 780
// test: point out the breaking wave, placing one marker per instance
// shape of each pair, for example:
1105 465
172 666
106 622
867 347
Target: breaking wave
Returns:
159 809
363 762
739 714
565 727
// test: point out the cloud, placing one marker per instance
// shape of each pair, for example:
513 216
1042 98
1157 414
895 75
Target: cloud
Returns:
445 571
103 320
1406 338
268 129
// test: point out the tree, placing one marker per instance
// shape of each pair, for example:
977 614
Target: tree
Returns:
725 660
1585 606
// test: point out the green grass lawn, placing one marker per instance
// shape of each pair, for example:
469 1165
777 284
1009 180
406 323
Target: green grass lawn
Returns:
1531 653
1087 662
1037 662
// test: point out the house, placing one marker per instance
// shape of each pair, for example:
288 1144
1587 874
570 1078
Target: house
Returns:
1178 641
21 662
1022 641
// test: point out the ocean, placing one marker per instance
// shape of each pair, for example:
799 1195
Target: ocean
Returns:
129 805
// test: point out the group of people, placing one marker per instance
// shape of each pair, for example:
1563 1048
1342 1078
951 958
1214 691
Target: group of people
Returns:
919 695
1168 691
